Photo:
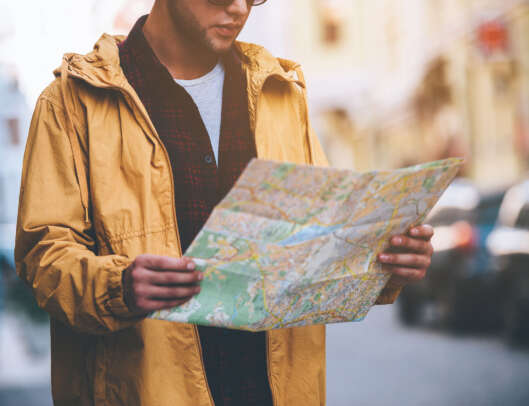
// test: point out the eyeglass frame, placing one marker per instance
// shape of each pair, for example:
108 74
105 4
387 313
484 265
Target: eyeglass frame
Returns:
224 3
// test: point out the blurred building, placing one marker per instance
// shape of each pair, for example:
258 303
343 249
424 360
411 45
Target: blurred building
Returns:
389 83
396 83
129 12
14 125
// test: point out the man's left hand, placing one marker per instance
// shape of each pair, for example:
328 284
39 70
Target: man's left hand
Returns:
409 256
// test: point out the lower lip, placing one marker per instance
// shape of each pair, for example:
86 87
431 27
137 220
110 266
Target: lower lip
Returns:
226 32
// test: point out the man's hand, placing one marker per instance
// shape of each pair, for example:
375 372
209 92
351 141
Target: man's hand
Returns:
409 256
154 282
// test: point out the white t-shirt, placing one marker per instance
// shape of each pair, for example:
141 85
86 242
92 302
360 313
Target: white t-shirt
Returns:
206 92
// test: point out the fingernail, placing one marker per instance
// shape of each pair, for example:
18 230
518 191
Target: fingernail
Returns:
197 289
190 265
397 240
200 276
414 231
383 257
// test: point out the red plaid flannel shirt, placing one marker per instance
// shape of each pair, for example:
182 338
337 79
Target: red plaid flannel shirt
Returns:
235 361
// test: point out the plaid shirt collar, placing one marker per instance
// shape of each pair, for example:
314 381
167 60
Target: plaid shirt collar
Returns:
153 71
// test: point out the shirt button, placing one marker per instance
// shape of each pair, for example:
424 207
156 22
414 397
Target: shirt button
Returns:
208 158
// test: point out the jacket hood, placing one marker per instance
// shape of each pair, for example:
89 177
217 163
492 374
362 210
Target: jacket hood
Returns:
101 67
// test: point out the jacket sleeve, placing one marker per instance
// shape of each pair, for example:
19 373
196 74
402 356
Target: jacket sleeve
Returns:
390 293
55 248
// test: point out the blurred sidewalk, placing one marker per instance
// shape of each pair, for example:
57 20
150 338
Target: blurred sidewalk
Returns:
24 362
30 396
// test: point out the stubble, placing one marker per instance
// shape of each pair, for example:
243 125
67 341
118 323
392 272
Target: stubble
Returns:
189 27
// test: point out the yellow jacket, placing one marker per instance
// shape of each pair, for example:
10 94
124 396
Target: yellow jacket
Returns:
97 191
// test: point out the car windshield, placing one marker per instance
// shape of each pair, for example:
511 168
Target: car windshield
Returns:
523 218
514 206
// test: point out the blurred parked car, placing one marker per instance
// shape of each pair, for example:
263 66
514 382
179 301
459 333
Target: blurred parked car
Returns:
458 288
509 245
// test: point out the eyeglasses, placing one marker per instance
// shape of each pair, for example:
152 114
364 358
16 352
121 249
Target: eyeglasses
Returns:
225 3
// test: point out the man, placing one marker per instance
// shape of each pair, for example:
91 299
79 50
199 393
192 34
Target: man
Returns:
121 172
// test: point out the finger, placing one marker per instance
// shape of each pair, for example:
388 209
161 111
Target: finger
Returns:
171 293
424 231
174 278
403 275
408 244
406 260
147 306
164 263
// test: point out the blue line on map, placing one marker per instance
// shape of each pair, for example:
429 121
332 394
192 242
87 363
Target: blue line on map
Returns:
235 310
309 233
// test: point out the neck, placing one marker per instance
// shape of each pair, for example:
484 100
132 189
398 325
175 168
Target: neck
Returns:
179 55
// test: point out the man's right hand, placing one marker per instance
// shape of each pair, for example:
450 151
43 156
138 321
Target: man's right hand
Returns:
154 282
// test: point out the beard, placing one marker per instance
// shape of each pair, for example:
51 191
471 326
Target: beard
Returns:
189 27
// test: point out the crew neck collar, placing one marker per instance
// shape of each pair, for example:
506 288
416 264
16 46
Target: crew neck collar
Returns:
213 74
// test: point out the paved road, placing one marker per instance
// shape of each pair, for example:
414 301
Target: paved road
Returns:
377 362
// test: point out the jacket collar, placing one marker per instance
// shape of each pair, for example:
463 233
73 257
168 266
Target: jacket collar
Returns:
101 68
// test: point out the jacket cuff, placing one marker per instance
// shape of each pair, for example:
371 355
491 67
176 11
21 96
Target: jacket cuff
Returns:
389 294
115 303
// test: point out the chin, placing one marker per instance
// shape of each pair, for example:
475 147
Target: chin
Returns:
221 48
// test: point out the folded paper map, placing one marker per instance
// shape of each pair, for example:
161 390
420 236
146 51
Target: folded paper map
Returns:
293 245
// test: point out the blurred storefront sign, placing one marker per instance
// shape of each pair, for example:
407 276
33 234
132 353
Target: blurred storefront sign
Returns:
492 37
420 81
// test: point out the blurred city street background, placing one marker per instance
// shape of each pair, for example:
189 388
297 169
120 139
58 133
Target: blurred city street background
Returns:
390 84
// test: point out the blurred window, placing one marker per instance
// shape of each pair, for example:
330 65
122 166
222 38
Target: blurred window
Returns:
332 22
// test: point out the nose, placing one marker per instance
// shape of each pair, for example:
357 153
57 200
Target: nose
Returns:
238 7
